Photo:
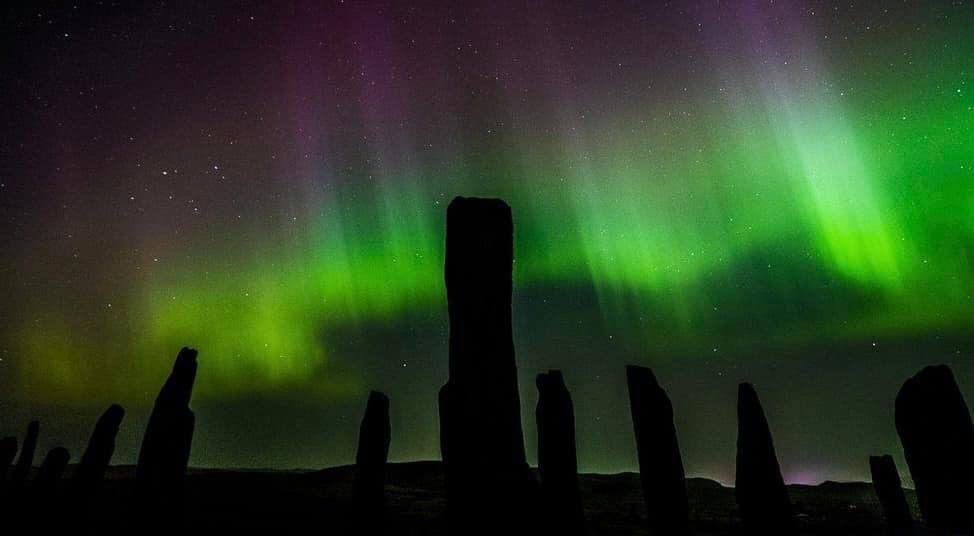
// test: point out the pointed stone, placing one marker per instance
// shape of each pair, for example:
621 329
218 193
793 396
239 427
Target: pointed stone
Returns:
91 470
8 449
934 425
26 459
660 464
51 470
370 461
168 439
557 458
889 489
490 488
761 495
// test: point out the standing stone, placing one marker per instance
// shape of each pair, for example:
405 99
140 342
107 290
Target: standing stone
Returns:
167 441
45 504
935 429
51 471
26 459
490 488
8 449
557 459
370 462
889 489
761 495
101 446
660 464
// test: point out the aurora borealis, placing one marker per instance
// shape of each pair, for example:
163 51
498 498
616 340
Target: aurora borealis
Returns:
777 191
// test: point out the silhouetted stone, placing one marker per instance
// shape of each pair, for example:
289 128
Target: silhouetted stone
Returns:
26 459
101 446
935 428
761 496
370 461
557 459
889 489
8 449
51 470
168 438
490 487
44 503
660 464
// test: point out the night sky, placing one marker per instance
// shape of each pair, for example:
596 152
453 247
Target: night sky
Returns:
773 191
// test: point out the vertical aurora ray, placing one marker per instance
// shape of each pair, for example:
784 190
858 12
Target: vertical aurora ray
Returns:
836 184
702 180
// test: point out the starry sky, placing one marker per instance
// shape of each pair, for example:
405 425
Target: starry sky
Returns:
773 191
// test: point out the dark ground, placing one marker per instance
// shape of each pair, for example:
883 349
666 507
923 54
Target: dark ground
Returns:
282 500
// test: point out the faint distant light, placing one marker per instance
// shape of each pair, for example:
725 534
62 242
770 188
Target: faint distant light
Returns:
804 477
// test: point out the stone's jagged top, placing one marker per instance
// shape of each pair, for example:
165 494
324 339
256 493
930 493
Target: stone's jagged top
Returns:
485 215
934 425
178 389
479 207
747 400
658 451
52 468
889 489
933 373
641 375
26 458
101 447
112 417
481 401
562 511
479 251
555 415
378 397
760 489
110 420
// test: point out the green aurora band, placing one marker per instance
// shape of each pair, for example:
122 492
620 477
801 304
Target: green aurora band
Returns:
840 183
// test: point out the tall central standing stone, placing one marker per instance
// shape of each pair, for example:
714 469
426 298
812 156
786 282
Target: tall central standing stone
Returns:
490 486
